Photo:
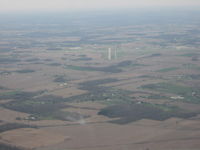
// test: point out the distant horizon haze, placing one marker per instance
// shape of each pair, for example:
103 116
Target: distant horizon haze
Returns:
34 6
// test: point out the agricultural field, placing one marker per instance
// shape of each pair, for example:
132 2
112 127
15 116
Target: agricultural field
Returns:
61 88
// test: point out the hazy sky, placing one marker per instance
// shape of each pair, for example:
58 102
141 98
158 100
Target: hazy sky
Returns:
56 5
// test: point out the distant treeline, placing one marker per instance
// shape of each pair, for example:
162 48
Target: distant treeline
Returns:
9 147
11 126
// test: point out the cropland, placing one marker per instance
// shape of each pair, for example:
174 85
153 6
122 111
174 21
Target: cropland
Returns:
61 88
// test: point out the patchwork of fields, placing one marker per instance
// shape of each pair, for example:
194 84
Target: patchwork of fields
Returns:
60 89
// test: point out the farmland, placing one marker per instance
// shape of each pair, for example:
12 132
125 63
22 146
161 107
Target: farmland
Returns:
60 88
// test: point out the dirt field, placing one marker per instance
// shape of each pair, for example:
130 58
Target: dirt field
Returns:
32 138
145 134
61 92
